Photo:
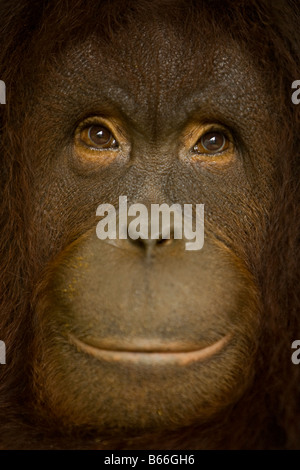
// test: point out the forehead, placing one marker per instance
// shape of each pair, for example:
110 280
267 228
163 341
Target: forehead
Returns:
154 74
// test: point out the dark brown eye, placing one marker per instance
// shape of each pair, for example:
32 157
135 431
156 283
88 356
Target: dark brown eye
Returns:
99 137
212 142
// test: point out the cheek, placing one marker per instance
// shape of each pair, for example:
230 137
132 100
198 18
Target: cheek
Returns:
235 208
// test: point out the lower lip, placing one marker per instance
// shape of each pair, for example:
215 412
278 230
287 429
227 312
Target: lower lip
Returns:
156 357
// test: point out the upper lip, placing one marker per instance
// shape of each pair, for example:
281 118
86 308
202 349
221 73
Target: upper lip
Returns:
147 351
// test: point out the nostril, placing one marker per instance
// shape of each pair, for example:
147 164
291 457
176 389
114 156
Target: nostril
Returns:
149 239
137 242
146 243
164 241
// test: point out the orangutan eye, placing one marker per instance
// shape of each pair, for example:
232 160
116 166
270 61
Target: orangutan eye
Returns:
98 137
211 143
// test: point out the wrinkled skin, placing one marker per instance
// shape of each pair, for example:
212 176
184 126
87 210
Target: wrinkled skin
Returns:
122 335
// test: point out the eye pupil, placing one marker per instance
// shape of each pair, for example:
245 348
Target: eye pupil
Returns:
100 135
213 141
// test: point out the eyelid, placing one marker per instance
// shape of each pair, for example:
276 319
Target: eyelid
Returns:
215 128
92 121
195 130
112 124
